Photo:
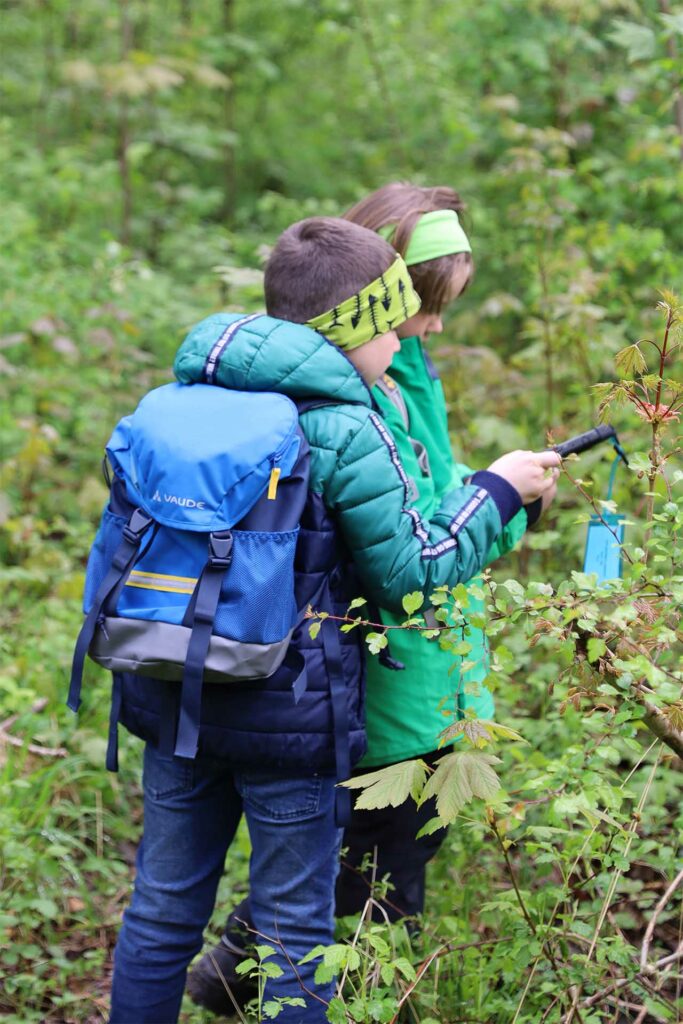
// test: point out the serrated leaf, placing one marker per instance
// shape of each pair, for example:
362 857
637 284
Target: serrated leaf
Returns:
387 972
405 967
412 602
637 40
268 970
459 777
312 954
389 787
263 952
336 1011
504 731
630 360
674 22
430 827
357 602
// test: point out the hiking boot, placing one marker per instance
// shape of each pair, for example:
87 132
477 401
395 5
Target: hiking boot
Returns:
210 979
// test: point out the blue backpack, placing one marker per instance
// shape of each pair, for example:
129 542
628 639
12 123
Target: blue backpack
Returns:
191 575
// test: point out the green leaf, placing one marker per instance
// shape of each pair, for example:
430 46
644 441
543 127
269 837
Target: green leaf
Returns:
336 1011
459 777
412 602
389 787
244 966
430 827
263 952
637 40
596 648
503 731
674 22
376 642
269 970
387 972
314 629
515 588
405 967
313 954
630 360
357 602
46 907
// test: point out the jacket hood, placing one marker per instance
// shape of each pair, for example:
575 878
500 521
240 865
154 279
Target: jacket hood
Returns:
260 353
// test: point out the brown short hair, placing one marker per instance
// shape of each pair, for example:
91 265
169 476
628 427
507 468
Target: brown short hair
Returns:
403 204
318 263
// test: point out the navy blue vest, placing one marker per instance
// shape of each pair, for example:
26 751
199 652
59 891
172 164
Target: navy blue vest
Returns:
259 724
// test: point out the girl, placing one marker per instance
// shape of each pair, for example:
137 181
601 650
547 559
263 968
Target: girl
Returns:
405 710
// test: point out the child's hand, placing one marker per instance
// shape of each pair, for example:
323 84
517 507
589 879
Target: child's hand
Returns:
532 474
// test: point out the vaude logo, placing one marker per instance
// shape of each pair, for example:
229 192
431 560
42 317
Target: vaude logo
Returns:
174 499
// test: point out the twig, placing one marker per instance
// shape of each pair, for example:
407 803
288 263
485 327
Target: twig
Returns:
649 931
545 946
278 942
573 1010
418 977
33 748
227 988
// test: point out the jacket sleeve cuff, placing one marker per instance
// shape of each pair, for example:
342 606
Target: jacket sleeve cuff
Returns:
506 497
533 512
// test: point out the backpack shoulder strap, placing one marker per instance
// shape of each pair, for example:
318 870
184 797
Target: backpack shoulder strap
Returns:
388 386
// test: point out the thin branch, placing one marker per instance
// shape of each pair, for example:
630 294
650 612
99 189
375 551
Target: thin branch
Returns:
573 1010
649 931
227 988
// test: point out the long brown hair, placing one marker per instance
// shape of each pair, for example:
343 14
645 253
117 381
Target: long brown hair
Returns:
402 204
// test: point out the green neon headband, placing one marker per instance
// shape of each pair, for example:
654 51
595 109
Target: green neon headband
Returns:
381 306
439 233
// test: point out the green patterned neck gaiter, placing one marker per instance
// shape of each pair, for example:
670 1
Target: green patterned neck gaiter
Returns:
381 306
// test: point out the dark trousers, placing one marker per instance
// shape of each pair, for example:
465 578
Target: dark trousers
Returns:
386 840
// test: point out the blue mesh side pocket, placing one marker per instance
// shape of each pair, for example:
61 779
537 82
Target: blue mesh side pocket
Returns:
257 602
103 550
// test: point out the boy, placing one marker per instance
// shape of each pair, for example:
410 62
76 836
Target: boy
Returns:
404 712
259 751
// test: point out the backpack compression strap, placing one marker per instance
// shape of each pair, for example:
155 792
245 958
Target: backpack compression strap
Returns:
200 615
121 564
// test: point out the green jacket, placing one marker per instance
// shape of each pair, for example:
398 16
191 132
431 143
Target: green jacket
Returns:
355 469
407 710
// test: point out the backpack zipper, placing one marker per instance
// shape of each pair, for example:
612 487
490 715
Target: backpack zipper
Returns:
275 469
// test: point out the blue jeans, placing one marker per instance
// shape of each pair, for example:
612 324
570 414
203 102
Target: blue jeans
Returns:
192 809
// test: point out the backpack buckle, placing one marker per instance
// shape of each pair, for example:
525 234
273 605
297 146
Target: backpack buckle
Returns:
220 550
136 526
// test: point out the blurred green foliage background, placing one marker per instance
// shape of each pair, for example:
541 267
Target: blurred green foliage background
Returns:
152 152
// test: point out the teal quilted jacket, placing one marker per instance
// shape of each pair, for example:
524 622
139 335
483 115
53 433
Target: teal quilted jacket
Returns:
355 467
